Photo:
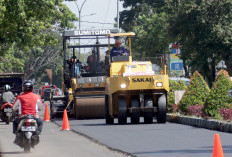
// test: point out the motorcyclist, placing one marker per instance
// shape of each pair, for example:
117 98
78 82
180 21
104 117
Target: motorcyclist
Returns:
7 96
27 103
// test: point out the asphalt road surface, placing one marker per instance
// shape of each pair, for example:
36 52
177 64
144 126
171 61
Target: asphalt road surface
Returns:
153 140
53 143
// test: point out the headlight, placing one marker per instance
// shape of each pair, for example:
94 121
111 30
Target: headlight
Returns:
97 84
159 84
80 85
123 85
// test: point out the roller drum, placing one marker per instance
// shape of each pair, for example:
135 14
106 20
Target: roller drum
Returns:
90 108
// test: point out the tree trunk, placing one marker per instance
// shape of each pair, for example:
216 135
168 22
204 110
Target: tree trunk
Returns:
186 69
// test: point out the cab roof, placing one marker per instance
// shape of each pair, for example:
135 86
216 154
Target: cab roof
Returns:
121 34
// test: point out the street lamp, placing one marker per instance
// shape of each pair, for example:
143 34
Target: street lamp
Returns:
79 11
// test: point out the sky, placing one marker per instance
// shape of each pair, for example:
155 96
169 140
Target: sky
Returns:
104 11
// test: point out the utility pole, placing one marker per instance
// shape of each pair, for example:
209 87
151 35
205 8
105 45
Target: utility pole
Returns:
118 15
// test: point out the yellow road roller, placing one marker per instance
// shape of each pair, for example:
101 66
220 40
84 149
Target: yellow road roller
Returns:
84 85
133 89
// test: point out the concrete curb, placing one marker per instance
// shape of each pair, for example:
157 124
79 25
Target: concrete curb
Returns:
200 122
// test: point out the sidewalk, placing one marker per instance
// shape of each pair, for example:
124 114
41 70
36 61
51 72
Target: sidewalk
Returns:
53 143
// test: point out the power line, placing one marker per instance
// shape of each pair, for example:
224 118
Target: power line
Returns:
107 11
98 22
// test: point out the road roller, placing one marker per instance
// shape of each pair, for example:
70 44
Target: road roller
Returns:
133 90
84 84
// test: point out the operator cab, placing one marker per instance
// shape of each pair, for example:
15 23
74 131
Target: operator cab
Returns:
119 53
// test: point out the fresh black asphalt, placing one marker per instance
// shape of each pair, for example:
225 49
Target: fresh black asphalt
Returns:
153 140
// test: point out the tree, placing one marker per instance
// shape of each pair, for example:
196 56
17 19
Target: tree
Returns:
25 22
41 76
29 34
149 23
10 63
219 95
204 28
196 93
42 56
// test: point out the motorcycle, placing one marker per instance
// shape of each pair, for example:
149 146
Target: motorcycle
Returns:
27 135
6 112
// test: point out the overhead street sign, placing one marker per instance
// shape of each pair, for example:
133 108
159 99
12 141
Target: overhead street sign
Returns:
175 51
177 66
175 56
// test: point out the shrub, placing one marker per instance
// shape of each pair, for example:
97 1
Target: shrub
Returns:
195 110
219 96
173 86
226 113
175 108
196 93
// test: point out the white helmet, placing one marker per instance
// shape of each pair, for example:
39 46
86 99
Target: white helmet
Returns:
7 87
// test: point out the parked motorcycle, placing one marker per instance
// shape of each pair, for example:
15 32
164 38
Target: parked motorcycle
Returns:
27 135
6 112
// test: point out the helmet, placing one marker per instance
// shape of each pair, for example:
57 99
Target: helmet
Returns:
7 87
28 85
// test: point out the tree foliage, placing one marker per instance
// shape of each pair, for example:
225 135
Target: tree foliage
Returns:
196 93
25 23
149 23
29 35
203 27
42 56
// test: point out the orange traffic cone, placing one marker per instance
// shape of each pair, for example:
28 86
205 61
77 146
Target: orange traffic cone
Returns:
65 125
217 147
46 114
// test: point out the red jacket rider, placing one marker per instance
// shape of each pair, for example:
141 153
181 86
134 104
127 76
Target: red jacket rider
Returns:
28 103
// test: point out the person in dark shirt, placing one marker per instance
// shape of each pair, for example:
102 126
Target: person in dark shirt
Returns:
117 50
92 62
92 58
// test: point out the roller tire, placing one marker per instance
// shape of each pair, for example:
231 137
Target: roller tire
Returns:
75 110
122 110
148 115
135 115
162 109
108 118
